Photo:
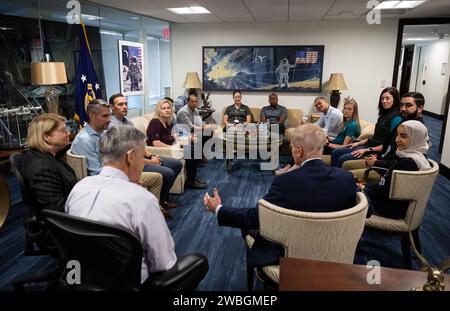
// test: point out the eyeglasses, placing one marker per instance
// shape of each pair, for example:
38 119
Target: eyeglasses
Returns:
62 131
407 105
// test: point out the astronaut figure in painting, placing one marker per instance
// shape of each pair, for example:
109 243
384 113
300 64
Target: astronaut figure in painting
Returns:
134 74
283 72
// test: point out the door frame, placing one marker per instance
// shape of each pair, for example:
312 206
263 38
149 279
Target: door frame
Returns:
420 21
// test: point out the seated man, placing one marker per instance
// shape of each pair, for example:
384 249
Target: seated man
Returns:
314 187
114 196
169 168
86 144
329 121
330 118
274 113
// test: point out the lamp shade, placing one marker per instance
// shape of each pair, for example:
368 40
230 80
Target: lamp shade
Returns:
336 82
47 73
192 81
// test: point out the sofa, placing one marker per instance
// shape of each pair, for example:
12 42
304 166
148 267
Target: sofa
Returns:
294 119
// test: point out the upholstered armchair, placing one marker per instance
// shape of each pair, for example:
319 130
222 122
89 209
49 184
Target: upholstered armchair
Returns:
414 186
141 123
77 163
320 236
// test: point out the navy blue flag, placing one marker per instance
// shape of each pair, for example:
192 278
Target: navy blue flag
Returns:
88 86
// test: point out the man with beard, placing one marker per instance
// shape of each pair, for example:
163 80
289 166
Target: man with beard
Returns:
411 107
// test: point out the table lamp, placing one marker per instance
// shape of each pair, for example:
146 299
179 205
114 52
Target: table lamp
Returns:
336 84
192 82
48 74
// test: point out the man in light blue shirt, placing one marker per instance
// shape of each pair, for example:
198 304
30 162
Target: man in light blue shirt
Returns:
87 140
330 118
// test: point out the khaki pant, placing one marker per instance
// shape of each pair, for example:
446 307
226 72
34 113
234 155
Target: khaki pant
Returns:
152 182
326 158
358 167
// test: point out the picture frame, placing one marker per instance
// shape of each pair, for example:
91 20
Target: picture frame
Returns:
283 68
131 68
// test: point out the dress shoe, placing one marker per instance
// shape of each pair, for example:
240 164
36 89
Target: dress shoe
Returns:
200 182
202 162
168 205
196 185
167 214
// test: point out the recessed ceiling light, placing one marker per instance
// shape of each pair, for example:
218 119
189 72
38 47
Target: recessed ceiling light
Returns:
409 4
190 10
134 17
420 39
91 17
386 5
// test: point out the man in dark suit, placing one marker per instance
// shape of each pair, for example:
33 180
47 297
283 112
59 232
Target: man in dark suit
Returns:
314 187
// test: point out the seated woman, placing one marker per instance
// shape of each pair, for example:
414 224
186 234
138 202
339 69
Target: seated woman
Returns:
159 134
49 178
412 146
388 119
349 128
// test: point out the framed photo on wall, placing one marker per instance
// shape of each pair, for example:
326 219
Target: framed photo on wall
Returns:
131 63
263 68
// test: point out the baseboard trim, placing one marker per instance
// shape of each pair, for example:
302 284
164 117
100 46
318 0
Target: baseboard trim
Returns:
444 170
433 115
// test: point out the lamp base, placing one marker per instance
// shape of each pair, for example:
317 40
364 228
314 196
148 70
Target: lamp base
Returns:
52 100
335 97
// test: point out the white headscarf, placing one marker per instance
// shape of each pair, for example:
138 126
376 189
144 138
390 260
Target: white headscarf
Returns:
418 147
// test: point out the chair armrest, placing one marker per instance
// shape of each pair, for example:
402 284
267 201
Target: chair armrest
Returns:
186 274
374 168
170 152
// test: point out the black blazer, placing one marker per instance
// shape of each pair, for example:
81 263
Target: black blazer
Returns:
50 180
315 187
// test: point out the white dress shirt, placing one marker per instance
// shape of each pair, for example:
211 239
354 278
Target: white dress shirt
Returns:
110 198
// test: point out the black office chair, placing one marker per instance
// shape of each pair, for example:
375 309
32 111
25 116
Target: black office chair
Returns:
37 240
110 257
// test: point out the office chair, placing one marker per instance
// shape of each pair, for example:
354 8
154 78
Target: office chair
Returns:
37 240
110 257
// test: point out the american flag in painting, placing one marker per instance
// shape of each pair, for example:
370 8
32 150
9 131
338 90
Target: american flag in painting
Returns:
311 57
300 57
306 57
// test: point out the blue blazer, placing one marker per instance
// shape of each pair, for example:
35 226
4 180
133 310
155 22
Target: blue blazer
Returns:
315 187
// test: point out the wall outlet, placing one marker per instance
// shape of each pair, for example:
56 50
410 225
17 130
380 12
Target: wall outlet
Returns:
383 84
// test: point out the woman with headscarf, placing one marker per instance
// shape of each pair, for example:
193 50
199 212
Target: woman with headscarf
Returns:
412 146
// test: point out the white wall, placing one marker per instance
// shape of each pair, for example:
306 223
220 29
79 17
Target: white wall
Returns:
445 158
435 89
363 53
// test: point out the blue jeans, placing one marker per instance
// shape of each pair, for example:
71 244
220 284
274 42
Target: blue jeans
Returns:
339 156
169 169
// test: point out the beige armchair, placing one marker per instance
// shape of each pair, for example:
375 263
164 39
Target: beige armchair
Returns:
414 186
141 123
77 163
320 236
